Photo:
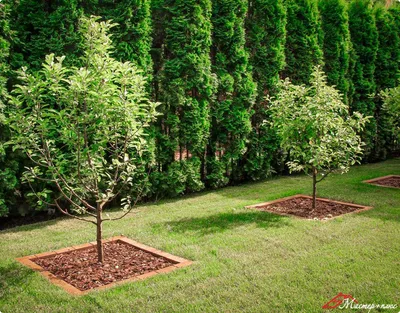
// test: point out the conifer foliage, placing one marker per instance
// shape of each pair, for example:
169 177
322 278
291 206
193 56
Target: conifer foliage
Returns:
267 58
236 92
304 40
388 54
44 27
8 165
186 89
336 44
213 65
364 37
4 54
132 36
386 75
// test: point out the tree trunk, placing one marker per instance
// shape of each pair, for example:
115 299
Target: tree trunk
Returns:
100 252
314 202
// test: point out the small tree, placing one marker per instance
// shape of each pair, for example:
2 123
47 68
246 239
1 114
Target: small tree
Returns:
316 129
82 128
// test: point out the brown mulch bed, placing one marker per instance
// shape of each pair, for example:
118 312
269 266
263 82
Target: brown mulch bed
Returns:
121 261
302 207
388 182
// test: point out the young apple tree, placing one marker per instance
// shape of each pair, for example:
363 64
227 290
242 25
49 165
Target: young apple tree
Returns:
316 129
82 128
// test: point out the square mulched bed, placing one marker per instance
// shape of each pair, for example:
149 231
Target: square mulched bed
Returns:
391 181
77 271
301 206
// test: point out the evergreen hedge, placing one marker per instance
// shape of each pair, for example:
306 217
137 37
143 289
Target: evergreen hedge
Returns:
231 108
267 58
211 64
364 36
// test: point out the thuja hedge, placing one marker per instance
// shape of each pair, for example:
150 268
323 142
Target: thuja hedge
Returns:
211 64
8 160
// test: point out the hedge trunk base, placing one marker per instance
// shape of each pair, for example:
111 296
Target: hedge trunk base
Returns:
77 270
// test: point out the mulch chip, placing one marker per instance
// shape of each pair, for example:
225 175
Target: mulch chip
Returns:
121 261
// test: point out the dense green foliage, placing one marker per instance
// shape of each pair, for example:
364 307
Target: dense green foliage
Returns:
211 64
267 57
388 54
44 27
86 148
8 163
185 91
315 128
235 95
337 43
364 37
304 40
132 36
386 76
391 115
4 54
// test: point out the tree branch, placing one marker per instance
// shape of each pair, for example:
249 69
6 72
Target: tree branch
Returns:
325 176
134 204
74 216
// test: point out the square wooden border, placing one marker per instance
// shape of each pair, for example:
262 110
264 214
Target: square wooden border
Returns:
258 205
374 180
28 261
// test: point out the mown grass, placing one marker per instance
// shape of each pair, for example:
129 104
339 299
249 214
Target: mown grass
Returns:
245 260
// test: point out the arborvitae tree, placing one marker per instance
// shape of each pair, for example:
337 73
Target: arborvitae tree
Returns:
43 26
364 37
386 74
388 54
236 92
132 36
337 43
266 34
8 165
186 90
350 74
395 12
4 53
303 41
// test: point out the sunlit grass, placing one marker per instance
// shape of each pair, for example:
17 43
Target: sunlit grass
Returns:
245 260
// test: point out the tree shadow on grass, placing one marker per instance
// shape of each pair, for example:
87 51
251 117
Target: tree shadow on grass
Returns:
14 279
225 221
33 226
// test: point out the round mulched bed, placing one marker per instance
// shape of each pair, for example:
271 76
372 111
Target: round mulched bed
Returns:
121 261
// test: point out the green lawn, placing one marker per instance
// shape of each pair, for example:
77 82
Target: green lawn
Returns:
245 260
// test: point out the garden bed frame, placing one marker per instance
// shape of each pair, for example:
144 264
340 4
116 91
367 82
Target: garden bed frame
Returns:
375 180
28 261
359 207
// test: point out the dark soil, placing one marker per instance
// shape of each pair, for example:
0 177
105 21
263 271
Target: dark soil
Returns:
389 182
302 207
81 269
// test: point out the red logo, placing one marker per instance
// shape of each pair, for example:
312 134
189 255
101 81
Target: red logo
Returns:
338 300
